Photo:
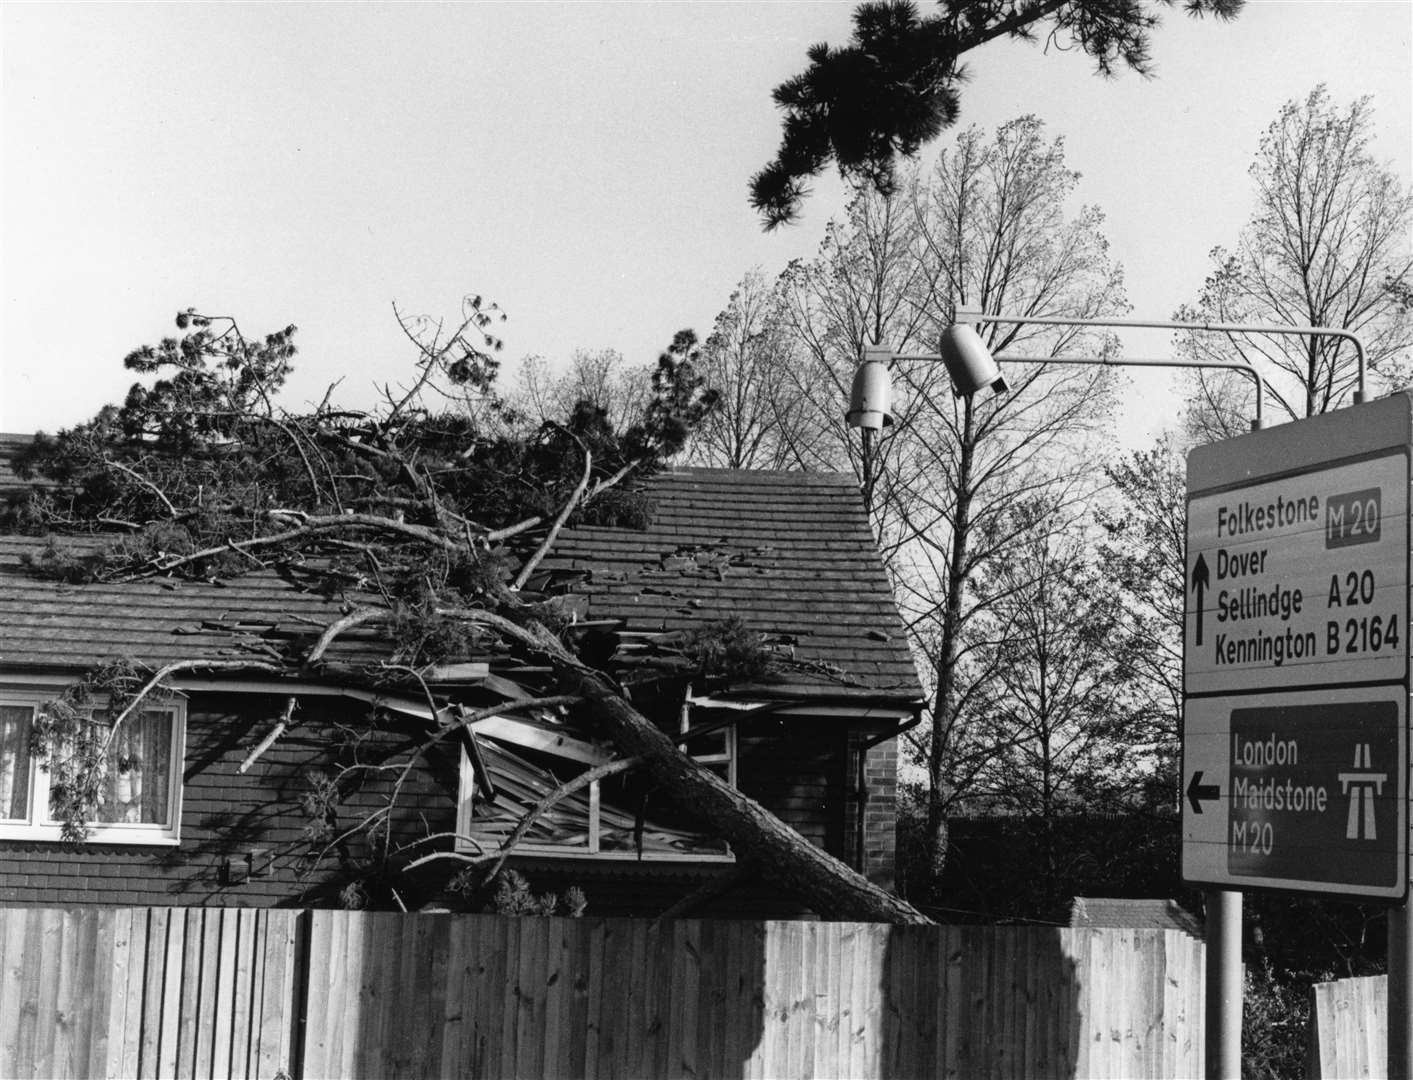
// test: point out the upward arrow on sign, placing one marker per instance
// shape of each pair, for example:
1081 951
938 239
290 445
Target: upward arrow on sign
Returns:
1201 578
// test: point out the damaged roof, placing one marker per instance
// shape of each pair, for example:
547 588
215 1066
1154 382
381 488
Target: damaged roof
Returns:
791 554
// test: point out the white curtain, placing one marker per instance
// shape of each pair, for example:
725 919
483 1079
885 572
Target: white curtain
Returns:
15 723
139 771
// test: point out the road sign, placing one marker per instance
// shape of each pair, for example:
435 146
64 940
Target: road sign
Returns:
1300 580
1298 791
1295 658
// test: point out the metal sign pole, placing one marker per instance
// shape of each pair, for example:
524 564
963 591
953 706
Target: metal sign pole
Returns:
1400 992
1223 1012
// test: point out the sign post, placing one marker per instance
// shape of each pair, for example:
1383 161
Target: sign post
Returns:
1296 642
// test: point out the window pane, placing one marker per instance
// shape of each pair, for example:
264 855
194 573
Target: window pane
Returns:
523 778
712 744
15 721
139 771
664 829
137 784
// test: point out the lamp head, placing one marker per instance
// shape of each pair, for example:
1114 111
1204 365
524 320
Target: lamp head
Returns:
871 395
970 364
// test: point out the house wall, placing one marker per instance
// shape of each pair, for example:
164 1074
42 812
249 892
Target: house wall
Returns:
245 839
232 824
798 770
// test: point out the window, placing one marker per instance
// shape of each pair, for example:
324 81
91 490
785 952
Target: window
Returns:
139 798
599 821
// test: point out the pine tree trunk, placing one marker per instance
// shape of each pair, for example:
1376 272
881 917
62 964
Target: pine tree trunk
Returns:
780 854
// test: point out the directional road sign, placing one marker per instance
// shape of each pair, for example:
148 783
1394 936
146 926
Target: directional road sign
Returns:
1295 659
1298 791
1300 580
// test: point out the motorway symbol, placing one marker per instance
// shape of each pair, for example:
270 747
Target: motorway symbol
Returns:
1362 788
1201 578
1198 791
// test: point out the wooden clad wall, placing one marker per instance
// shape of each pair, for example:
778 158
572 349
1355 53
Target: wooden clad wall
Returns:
173 992
1349 1028
139 992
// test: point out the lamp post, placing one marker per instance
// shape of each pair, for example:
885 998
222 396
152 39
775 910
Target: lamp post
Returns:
971 315
971 368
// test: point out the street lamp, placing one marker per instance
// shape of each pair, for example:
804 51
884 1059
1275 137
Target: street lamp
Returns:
971 367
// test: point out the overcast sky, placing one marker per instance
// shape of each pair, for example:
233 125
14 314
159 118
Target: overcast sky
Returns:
584 165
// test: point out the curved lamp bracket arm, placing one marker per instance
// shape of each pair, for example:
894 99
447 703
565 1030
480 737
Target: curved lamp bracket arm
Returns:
1257 422
972 315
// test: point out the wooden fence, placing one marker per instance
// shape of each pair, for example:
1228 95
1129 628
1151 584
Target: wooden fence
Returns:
128 992
149 992
1349 1028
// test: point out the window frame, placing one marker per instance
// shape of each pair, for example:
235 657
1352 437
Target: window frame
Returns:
37 826
467 795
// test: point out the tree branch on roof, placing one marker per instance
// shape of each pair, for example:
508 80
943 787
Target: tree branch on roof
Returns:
216 478
569 504
159 679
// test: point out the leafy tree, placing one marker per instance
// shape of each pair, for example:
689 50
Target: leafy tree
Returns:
895 86
1327 245
427 524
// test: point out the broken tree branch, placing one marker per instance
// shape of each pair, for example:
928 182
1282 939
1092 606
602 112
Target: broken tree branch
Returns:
269 740
148 484
356 617
568 508
171 669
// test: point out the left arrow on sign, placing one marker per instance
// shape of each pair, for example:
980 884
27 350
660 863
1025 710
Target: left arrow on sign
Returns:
1197 791
1201 578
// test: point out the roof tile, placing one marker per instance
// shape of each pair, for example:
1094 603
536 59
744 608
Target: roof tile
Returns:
791 554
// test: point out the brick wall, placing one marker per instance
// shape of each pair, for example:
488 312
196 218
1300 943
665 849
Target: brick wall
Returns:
880 814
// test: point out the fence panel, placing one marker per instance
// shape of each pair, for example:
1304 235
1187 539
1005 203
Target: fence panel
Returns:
1349 1028
489 996
216 993
138 992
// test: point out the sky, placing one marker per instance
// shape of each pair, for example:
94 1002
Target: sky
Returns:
584 165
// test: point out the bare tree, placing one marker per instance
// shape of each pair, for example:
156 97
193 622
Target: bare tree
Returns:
760 418
987 228
1327 245
1050 714
1142 555
601 377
